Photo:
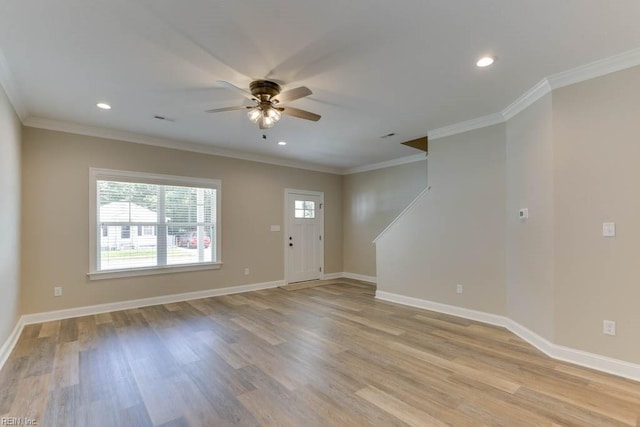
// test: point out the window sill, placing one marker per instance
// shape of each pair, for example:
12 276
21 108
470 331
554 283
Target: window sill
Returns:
132 272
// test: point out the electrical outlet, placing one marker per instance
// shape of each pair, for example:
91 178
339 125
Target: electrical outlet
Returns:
57 291
459 289
608 327
246 271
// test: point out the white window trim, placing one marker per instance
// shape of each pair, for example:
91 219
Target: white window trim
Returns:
96 174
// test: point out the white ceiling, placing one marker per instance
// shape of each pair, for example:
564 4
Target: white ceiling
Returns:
375 67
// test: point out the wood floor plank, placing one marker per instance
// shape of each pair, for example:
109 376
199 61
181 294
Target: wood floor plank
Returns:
258 330
399 409
324 356
66 365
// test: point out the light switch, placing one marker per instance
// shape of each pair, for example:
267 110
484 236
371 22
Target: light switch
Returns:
609 229
275 228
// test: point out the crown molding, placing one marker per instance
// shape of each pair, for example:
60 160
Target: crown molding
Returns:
466 126
545 86
387 164
589 71
527 99
10 87
99 132
598 68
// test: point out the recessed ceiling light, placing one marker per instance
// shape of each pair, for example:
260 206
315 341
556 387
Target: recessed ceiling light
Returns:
103 106
485 61
282 143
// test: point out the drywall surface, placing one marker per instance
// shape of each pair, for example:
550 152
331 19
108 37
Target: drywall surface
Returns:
371 200
56 215
10 136
596 175
455 234
530 242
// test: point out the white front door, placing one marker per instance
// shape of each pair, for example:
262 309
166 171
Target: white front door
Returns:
304 243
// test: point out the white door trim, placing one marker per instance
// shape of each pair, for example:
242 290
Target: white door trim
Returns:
285 240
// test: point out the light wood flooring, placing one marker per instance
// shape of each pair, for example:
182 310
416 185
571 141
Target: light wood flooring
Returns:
323 356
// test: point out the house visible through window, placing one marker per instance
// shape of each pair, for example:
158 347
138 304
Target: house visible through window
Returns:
305 209
145 221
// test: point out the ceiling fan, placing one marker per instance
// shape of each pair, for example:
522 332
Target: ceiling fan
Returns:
267 98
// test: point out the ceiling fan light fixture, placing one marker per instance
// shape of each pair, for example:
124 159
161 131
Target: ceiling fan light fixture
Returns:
254 114
273 114
267 95
268 122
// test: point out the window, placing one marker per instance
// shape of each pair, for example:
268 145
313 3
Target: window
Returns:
147 230
305 209
147 223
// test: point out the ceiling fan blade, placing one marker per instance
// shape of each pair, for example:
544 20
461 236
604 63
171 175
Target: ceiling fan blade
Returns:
235 88
293 94
219 110
301 114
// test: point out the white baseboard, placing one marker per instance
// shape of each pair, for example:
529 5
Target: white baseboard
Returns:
10 343
49 316
480 316
144 302
555 351
332 276
361 277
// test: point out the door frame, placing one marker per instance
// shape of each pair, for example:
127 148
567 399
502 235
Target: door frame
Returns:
287 192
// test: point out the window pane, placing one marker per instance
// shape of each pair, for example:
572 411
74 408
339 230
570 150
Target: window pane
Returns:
189 204
148 225
304 209
127 202
114 256
185 243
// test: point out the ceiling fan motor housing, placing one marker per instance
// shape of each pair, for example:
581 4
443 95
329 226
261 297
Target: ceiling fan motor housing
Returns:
264 89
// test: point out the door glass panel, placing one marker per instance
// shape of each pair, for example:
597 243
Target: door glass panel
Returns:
305 209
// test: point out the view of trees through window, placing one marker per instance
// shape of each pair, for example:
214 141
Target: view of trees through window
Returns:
181 202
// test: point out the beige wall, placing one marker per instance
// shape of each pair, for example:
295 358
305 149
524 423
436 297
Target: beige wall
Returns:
371 200
456 233
10 239
596 170
572 159
529 183
56 218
